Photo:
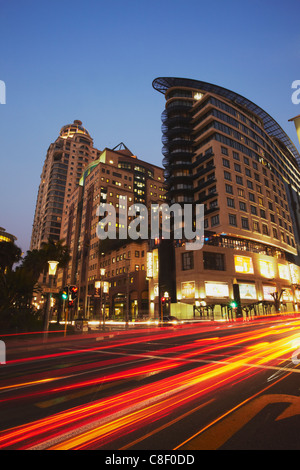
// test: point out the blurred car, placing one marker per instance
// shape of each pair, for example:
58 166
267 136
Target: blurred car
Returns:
170 320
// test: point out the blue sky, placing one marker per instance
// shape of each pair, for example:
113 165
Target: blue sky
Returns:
96 60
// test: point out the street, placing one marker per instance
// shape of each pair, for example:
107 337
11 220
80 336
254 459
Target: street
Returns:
185 387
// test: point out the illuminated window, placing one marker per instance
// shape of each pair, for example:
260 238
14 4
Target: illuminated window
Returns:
256 227
266 269
243 264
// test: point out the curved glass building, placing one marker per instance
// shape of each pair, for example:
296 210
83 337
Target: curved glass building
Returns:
222 150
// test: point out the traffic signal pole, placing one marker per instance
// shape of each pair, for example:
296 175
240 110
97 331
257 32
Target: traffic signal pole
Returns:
237 299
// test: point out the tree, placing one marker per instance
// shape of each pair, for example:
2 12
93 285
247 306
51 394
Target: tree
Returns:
16 289
56 250
36 261
18 286
10 254
277 298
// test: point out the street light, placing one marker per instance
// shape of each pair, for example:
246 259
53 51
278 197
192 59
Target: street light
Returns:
52 272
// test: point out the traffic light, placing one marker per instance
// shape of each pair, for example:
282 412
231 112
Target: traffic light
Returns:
73 292
163 300
65 293
71 303
233 304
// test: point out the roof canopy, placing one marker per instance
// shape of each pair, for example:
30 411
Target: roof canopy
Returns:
270 125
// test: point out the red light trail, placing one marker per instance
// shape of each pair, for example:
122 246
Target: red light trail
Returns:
216 363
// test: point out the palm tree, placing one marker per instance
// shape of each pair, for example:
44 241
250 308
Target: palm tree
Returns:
56 250
36 261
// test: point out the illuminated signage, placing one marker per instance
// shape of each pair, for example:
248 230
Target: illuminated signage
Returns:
213 289
248 291
105 287
243 264
150 264
268 291
266 269
283 270
102 285
188 290
294 271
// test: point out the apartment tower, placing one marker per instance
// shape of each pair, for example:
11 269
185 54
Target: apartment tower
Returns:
62 170
223 151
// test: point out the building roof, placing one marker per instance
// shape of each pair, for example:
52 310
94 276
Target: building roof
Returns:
75 128
6 237
162 84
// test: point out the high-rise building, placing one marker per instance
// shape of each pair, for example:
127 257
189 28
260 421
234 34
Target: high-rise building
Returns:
117 178
224 151
62 170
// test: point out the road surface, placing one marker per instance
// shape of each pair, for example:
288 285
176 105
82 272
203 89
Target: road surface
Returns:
180 388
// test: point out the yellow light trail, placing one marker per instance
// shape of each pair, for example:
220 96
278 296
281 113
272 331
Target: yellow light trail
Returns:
109 418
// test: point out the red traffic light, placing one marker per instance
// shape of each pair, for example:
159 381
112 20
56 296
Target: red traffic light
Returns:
163 300
74 291
71 303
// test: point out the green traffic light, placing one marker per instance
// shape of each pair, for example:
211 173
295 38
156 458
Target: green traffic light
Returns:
64 296
233 305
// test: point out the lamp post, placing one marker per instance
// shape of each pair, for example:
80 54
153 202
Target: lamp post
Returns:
51 271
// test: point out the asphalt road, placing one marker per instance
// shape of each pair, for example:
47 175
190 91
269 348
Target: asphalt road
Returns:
180 388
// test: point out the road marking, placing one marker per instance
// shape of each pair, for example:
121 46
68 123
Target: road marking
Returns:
217 435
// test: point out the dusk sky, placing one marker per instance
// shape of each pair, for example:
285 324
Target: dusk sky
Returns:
95 61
